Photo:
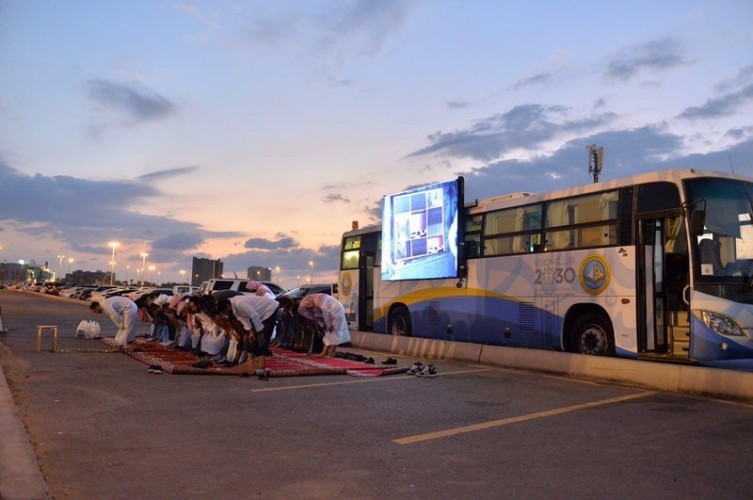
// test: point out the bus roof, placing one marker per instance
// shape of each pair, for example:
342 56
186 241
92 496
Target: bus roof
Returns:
670 175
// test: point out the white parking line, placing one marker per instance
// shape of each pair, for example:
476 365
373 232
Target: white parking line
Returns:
514 420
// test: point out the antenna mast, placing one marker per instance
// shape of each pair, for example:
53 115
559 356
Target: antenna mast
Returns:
595 160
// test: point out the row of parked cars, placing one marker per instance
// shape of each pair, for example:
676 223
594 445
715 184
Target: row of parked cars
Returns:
100 292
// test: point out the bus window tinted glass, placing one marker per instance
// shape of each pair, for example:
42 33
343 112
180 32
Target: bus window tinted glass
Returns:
657 196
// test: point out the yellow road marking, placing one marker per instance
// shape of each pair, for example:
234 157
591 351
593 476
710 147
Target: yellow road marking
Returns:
514 420
362 381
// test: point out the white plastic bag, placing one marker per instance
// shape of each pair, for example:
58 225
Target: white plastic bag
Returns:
89 329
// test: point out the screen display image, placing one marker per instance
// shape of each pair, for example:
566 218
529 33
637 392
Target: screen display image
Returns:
420 232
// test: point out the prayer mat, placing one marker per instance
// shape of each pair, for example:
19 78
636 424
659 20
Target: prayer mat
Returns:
282 363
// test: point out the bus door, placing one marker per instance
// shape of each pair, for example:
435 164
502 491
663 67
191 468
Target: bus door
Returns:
662 280
366 291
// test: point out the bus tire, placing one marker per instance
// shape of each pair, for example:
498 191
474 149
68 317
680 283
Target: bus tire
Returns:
399 322
593 334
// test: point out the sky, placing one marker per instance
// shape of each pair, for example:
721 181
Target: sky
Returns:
255 132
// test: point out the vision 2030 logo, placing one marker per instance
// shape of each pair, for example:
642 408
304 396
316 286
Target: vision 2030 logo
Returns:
594 274
346 284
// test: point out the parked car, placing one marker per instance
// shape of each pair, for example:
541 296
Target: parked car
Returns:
303 290
119 291
86 294
135 295
217 284
76 291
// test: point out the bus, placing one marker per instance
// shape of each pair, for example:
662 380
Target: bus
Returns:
654 266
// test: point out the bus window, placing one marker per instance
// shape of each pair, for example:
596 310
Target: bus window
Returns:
513 230
351 251
350 259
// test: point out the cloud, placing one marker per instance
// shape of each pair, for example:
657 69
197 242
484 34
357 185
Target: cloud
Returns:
136 104
526 126
367 24
344 82
457 104
740 133
180 241
650 56
538 79
359 28
167 173
86 214
742 77
628 152
281 243
293 263
333 197
729 104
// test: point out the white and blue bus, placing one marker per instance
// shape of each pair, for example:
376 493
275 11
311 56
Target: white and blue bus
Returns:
658 266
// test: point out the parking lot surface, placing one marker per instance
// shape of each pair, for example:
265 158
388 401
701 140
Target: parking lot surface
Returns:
101 426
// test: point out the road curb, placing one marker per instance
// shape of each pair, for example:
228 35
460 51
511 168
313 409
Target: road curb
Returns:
20 476
680 378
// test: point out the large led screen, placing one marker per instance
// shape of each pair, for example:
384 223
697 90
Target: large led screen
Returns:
420 232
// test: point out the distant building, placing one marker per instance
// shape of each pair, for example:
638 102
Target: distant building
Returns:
259 273
25 272
204 270
12 272
79 277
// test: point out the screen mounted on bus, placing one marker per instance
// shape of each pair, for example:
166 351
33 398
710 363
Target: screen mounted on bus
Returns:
420 232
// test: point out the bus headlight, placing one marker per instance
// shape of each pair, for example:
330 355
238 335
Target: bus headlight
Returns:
721 324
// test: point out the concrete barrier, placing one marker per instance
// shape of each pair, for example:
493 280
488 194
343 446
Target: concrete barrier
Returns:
681 378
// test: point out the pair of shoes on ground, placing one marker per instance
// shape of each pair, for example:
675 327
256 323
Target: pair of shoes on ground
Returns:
354 357
389 361
419 370
156 369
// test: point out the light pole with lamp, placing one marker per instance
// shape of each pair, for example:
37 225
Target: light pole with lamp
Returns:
143 256
114 245
151 274
127 268
183 276
60 263
311 265
279 276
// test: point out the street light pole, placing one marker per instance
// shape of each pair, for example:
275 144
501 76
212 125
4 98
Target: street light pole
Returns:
143 256
60 263
311 264
114 245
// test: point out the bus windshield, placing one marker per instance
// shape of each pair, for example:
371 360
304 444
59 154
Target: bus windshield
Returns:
724 251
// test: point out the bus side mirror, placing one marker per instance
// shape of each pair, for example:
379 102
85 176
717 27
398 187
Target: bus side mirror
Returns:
697 222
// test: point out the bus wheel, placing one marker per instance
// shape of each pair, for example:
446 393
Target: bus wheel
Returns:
592 334
399 324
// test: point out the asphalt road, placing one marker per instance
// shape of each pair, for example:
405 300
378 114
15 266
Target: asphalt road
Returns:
103 427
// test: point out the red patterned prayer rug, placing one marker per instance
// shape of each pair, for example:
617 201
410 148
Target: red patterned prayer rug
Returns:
282 363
